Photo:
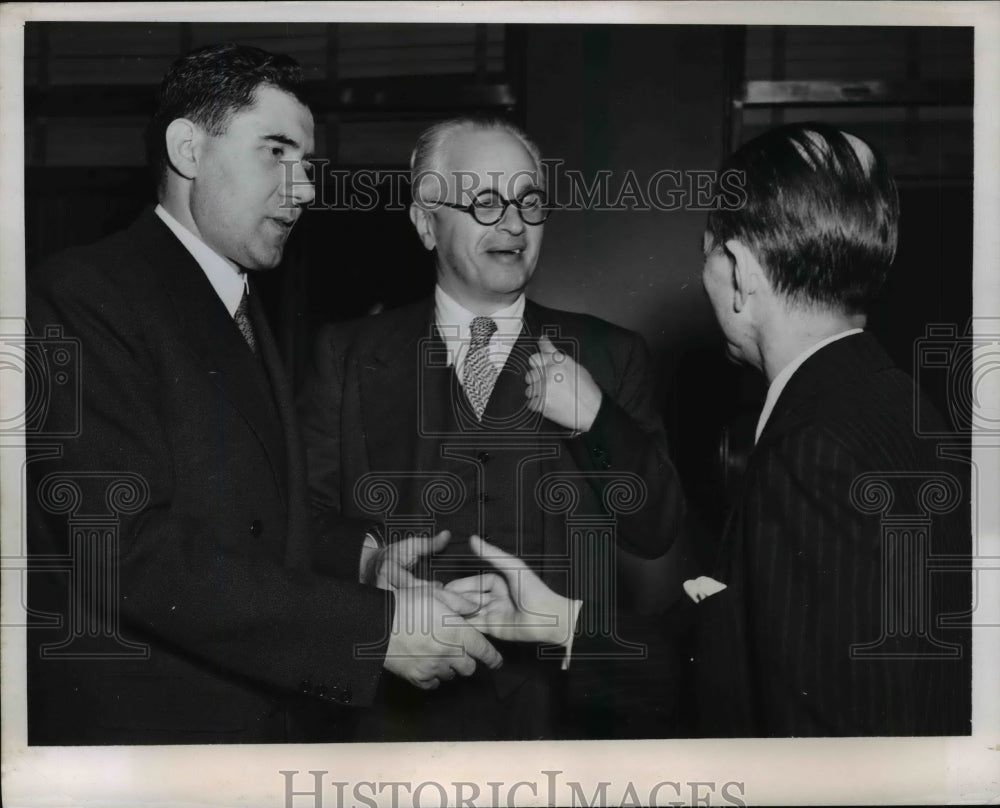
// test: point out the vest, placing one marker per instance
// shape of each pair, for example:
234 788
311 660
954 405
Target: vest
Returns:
497 463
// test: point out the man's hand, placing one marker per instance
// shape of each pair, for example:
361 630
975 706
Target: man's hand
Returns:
514 603
389 567
560 389
431 642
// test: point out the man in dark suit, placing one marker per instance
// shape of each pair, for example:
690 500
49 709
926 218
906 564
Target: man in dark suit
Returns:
821 616
195 598
484 413
831 623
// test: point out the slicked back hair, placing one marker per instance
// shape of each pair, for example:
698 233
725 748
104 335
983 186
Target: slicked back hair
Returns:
208 86
427 158
821 214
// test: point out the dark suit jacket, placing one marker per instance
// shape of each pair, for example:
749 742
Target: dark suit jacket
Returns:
805 640
361 411
369 407
205 554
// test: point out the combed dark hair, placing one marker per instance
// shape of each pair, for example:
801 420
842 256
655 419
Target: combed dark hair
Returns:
208 86
821 214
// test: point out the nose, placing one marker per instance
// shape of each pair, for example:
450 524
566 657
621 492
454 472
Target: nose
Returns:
301 189
511 221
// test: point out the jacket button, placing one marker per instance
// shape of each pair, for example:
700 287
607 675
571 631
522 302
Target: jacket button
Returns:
484 457
256 527
305 686
346 697
321 691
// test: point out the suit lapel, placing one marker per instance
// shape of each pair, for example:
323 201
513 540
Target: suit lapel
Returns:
546 436
843 362
391 372
846 361
507 404
536 323
212 338
297 548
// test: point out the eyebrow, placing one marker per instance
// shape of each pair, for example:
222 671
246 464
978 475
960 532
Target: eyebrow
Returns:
284 140
531 189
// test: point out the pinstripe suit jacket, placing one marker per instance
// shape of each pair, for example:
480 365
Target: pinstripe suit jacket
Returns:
830 624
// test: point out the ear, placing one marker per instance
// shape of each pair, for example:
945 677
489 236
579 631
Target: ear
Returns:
183 139
423 221
748 275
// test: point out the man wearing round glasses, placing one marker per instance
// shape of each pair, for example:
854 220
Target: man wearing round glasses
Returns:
479 204
479 412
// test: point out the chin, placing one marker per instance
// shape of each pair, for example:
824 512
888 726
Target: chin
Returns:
512 281
735 355
263 263
510 292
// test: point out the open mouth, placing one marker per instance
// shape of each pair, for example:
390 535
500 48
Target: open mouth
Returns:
513 252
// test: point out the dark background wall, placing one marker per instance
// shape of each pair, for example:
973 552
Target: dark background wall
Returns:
618 99
628 100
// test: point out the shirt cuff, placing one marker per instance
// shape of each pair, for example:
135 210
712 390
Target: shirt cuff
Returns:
369 547
575 617
702 587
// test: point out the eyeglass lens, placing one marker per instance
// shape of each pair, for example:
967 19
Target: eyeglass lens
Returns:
490 208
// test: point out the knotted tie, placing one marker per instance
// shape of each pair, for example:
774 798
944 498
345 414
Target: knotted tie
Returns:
479 375
242 318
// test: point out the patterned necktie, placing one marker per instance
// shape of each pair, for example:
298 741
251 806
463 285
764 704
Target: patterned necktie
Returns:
242 318
479 375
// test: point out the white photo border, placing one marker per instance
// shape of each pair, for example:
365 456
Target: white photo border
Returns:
780 771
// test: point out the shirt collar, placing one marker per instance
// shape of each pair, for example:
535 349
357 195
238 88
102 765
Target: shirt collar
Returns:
781 380
453 321
227 279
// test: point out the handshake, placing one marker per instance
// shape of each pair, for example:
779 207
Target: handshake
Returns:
439 631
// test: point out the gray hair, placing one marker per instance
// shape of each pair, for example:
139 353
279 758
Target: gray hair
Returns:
428 153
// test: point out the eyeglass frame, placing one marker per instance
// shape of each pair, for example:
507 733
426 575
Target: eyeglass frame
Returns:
517 204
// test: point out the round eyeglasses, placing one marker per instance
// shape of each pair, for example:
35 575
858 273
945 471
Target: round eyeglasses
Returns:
489 207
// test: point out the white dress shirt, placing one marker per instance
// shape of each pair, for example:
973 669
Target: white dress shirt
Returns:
786 373
453 322
227 279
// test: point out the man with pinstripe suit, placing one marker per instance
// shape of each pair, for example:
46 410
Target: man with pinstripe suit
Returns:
810 632
820 617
